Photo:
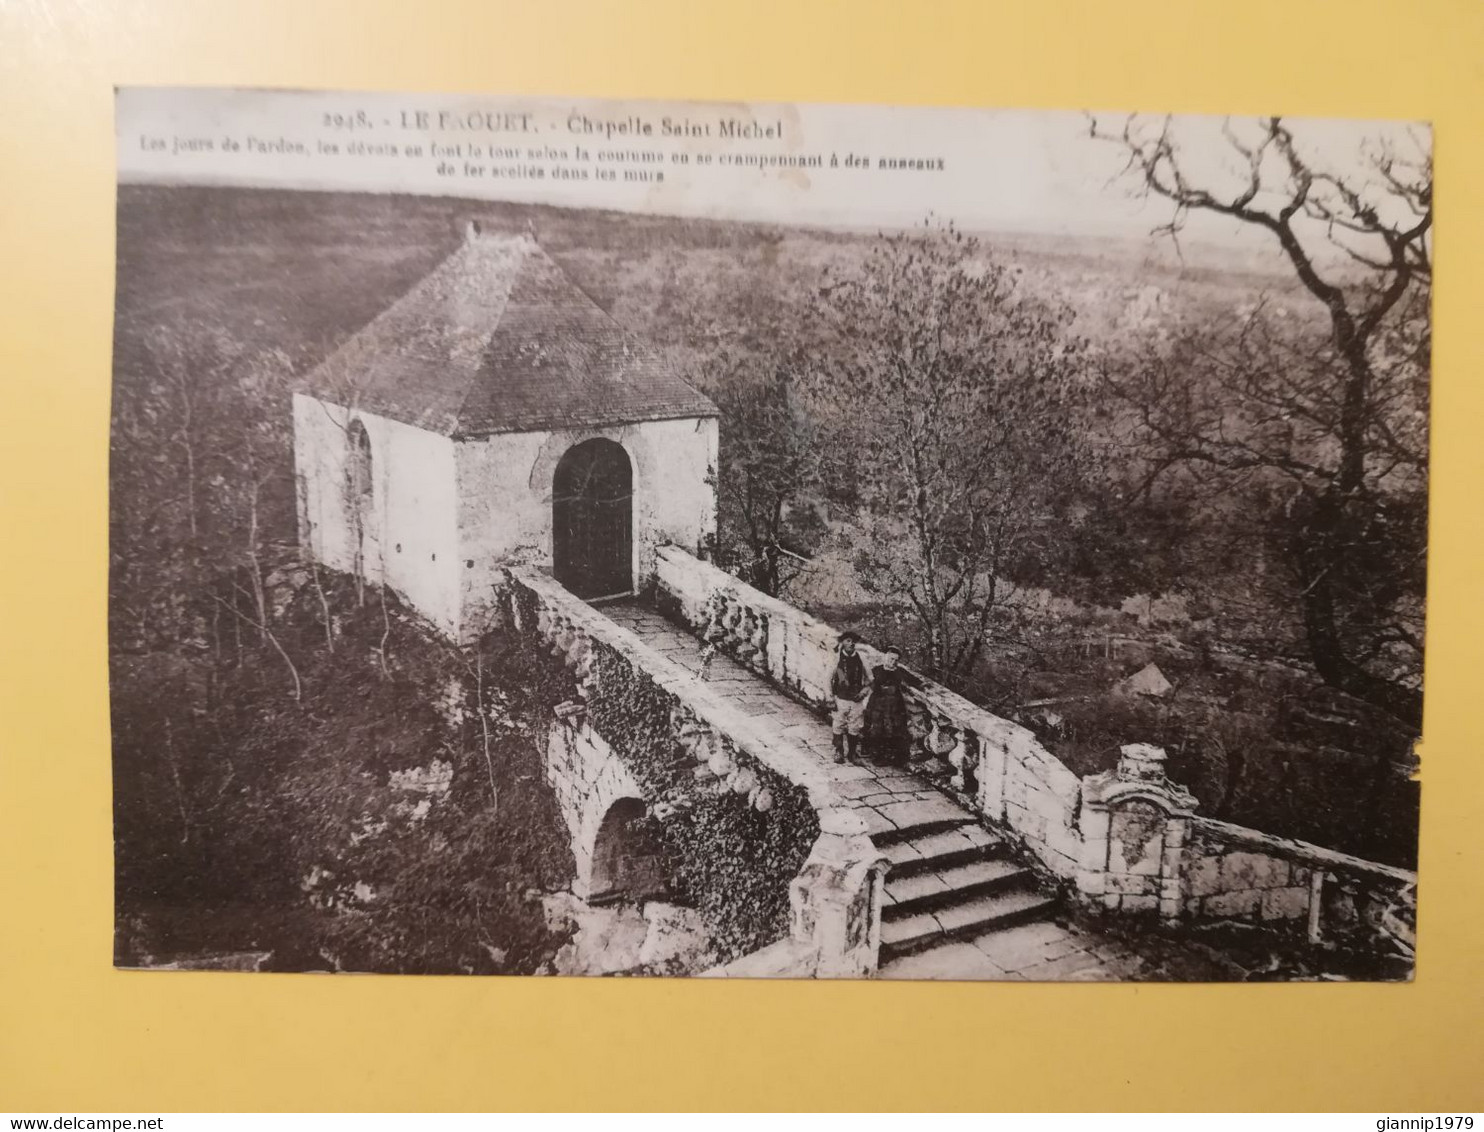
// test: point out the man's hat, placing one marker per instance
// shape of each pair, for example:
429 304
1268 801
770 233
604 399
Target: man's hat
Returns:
848 635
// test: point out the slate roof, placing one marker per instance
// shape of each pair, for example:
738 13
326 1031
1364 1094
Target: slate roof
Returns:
498 339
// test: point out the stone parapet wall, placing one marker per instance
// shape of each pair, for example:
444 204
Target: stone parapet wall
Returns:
1023 786
572 624
794 650
692 757
1235 873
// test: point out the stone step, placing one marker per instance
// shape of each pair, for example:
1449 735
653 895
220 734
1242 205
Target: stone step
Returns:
884 835
971 917
921 891
936 851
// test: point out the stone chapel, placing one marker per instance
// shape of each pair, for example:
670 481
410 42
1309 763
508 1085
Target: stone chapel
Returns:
494 415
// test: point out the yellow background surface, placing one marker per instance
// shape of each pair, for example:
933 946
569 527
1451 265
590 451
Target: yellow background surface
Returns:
75 1035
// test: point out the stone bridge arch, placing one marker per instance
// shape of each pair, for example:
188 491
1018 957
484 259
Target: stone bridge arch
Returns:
604 809
627 860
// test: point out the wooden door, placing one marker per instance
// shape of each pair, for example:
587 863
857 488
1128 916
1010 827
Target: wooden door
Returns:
593 520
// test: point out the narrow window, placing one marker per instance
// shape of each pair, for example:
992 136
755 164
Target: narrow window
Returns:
359 466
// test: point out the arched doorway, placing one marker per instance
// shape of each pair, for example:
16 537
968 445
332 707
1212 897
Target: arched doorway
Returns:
592 503
627 860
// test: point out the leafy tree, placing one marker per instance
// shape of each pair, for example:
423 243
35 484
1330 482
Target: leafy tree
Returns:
1325 428
946 396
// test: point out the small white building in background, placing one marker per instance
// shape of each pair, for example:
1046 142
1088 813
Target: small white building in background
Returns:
495 414
1148 681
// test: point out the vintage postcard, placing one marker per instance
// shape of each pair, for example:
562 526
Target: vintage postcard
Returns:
566 537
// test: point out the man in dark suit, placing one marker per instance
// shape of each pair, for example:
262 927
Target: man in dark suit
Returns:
850 684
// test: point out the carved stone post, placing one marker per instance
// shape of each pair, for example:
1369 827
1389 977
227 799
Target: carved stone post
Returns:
1134 823
835 901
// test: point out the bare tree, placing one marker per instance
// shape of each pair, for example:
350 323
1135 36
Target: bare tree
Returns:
1338 416
947 392
311 564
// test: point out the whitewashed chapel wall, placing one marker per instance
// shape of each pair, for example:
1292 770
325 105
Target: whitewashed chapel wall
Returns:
410 540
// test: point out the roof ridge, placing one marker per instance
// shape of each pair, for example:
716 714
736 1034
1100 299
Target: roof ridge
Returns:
526 243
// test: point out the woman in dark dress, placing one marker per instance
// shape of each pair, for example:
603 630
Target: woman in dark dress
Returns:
886 734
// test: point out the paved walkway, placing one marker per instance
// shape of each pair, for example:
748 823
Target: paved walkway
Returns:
887 798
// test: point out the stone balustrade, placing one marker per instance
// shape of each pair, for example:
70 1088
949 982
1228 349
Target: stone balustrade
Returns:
1146 850
1127 841
1013 779
1235 873
838 888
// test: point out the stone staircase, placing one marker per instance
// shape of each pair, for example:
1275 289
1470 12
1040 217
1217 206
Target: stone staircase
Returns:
951 880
